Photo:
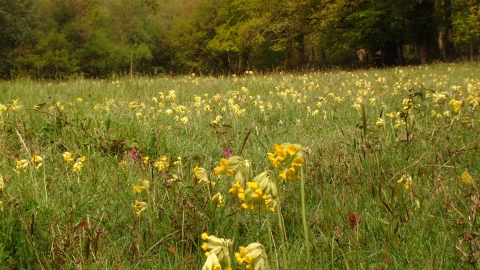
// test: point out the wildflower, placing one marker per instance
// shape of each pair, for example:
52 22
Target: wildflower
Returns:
67 156
253 255
219 198
184 120
380 122
219 246
467 178
38 160
261 192
22 164
237 189
212 262
231 165
139 207
134 155
201 175
406 180
178 162
2 184
77 167
456 104
162 164
145 160
288 158
144 184
227 152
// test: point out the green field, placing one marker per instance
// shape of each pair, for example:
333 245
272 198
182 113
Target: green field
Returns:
120 173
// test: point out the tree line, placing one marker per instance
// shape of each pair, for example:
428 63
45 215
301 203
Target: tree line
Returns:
56 39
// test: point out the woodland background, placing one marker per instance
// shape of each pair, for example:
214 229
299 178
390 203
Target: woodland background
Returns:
57 39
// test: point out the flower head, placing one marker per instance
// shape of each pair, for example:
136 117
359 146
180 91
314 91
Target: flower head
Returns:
139 207
67 156
38 161
134 155
406 180
288 158
219 246
467 178
212 262
253 256
260 192
144 184
22 165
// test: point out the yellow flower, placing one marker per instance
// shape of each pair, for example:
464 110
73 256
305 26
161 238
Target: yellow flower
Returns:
212 262
467 178
288 158
456 104
406 180
139 207
260 192
38 160
144 184
67 156
219 246
77 167
2 184
219 198
22 164
253 255
380 122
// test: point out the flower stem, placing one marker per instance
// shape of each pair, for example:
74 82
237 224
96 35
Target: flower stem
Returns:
282 235
304 218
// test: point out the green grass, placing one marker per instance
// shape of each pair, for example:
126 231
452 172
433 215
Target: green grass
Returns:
358 215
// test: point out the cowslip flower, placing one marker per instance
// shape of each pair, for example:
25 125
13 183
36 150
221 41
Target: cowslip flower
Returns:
162 164
456 104
77 167
406 180
253 255
219 198
219 246
288 158
201 176
212 262
233 166
38 161
144 184
22 165
68 157
467 178
139 207
380 122
260 192
2 184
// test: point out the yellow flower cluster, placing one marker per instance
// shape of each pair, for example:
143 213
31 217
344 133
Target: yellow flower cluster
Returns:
139 207
260 192
144 184
162 164
201 176
253 256
220 247
288 158
233 166
37 161
467 178
22 165
406 180
77 167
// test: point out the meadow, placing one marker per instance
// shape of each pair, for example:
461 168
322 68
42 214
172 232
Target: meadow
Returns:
367 169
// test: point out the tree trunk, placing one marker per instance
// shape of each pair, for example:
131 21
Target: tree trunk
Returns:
450 53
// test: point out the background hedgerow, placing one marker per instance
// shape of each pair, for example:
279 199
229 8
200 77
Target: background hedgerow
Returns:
123 171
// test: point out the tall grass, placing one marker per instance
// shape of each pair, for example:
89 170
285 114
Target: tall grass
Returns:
391 167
